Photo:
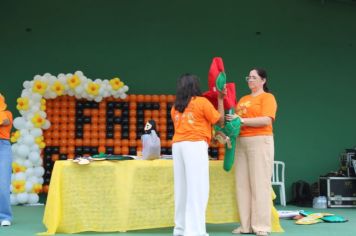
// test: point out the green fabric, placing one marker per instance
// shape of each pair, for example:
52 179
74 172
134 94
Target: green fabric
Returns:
220 81
232 130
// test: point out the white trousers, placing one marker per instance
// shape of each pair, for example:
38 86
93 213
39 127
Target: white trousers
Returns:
191 187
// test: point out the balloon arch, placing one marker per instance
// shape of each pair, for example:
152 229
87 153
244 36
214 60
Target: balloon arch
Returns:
28 140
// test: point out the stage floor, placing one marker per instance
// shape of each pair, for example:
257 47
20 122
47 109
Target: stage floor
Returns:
28 221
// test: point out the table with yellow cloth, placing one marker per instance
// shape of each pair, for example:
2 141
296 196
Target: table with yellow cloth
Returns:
129 195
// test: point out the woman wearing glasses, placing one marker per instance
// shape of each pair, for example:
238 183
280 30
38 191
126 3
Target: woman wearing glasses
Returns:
5 163
255 155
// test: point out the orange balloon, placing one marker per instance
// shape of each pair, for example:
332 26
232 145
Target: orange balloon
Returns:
94 142
132 142
63 150
48 141
155 98
132 97
147 98
162 98
79 142
132 113
102 142
125 150
125 143
109 142
86 142
140 98
133 105
118 112
171 98
55 157
87 112
117 150
132 135
101 149
71 149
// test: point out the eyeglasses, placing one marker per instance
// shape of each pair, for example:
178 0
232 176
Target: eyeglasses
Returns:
252 78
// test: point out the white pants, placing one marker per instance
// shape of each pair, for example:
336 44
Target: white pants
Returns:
191 187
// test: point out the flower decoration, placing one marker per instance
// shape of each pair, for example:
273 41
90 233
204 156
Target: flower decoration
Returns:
22 104
37 188
38 120
16 168
116 83
93 88
39 87
18 186
58 88
28 142
73 81
15 136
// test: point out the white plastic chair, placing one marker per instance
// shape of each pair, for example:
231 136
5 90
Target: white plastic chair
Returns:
278 179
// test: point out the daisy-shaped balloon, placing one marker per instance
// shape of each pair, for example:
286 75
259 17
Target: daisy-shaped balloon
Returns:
73 81
39 87
17 168
22 104
92 88
37 188
116 83
58 88
38 120
18 186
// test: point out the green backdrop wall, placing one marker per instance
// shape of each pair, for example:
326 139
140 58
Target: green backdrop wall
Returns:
307 46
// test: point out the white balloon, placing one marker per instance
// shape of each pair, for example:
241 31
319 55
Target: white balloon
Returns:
14 148
40 180
22 198
37 77
42 114
36 132
123 96
28 186
23 151
35 148
19 123
98 99
24 132
28 140
36 97
13 199
79 89
19 161
33 198
39 171
26 84
32 179
46 124
20 176
79 73
30 172
27 164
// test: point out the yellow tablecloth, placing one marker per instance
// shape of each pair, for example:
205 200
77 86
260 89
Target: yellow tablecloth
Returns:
127 195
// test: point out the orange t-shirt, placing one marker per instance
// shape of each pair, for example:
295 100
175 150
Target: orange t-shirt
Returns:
194 124
5 129
262 105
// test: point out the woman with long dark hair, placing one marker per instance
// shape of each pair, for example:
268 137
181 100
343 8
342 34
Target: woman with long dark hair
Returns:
193 117
255 155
